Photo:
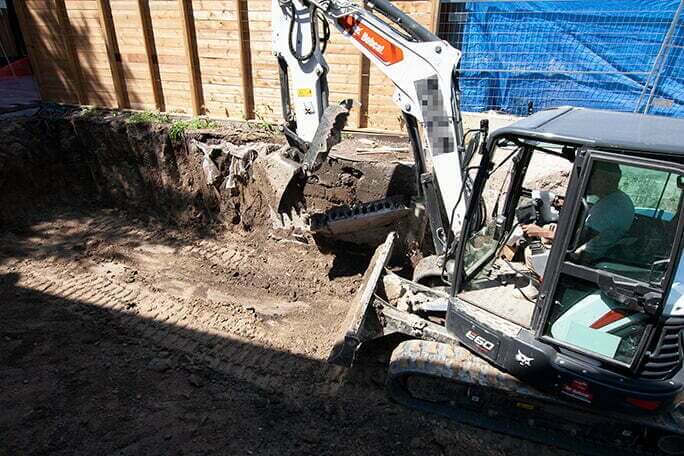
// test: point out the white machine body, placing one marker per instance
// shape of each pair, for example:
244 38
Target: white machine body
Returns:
421 72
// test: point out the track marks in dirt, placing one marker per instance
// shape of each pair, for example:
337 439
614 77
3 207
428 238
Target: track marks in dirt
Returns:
282 269
283 286
197 332
252 308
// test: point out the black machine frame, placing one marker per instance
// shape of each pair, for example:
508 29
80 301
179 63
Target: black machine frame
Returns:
613 387
558 266
577 184
579 178
554 367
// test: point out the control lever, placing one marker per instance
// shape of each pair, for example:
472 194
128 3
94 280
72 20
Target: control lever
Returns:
657 271
632 295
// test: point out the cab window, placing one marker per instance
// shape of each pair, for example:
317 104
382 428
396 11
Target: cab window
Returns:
630 220
482 243
620 245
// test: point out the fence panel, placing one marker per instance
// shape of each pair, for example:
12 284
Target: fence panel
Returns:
521 57
664 92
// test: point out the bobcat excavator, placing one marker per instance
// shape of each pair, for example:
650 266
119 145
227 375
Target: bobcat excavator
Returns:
571 335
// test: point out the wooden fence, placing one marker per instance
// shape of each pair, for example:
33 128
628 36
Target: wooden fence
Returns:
209 57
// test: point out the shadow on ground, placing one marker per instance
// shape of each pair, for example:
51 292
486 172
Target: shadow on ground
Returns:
82 379
94 361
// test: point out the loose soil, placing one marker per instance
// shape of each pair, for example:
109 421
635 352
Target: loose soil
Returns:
142 312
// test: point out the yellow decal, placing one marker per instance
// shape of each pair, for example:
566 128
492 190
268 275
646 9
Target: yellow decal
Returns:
524 406
303 92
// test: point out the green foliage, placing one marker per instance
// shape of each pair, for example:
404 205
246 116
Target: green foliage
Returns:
148 117
87 111
264 122
179 127
650 188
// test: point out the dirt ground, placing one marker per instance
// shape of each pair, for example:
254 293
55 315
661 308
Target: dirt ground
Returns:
145 320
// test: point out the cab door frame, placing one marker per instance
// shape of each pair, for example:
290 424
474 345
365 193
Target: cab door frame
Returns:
558 265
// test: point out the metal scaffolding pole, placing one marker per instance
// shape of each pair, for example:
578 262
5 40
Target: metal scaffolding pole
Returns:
660 60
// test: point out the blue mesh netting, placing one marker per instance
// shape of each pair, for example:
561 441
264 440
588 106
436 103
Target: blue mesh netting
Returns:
550 53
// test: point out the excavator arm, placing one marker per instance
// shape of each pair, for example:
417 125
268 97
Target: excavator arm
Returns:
422 70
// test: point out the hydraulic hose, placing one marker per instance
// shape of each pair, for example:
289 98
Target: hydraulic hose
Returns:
315 40
326 31
403 21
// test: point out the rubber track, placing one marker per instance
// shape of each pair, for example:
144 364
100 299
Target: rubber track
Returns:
449 363
174 325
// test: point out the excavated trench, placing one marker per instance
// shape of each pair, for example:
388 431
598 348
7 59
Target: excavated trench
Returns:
147 308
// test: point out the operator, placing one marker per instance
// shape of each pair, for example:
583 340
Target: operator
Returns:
607 221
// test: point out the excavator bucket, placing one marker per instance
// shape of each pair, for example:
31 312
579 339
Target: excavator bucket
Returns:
358 326
276 175
281 179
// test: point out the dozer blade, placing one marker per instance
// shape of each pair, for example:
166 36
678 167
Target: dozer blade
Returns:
276 175
357 327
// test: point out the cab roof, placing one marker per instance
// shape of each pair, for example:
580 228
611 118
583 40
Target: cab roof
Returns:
601 129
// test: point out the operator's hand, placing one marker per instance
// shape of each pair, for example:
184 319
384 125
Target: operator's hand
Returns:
558 202
533 230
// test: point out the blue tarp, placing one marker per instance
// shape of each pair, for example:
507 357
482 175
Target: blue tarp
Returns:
584 53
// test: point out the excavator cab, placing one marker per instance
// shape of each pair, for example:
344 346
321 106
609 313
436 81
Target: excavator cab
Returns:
559 304
596 281
547 309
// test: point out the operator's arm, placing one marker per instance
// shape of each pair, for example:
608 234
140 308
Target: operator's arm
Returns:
587 252
546 232
606 224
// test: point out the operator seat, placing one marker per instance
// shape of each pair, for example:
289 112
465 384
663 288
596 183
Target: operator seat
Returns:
649 239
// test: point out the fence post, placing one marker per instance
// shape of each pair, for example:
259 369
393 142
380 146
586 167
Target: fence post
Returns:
245 58
436 8
191 54
363 88
363 93
72 56
151 53
27 33
113 54
660 60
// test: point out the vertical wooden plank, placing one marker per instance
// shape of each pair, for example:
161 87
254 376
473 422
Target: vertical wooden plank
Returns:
28 35
65 31
190 38
436 5
363 82
245 58
113 54
151 51
364 87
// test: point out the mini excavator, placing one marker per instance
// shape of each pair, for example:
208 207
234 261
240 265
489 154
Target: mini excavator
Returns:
571 335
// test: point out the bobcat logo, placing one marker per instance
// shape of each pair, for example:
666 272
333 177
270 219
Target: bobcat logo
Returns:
524 361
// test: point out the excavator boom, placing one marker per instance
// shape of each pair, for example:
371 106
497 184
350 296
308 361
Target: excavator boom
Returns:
421 68
594 354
